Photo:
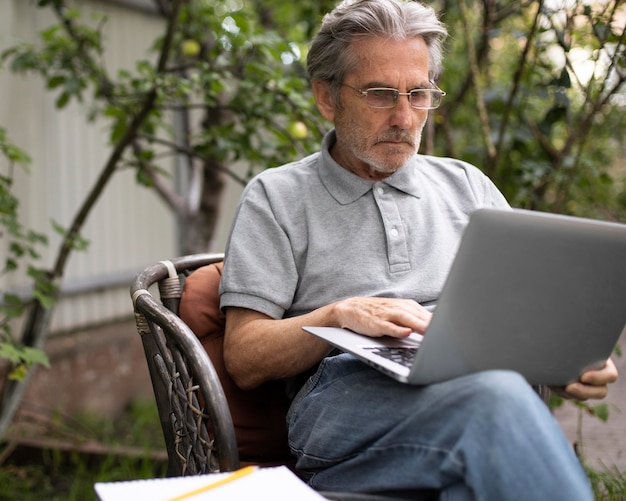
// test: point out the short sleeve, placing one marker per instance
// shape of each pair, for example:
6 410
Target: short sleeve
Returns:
259 270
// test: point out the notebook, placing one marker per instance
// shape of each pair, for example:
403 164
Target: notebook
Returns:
261 484
537 293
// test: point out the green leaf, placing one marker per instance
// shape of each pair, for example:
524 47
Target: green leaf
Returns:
12 152
556 401
22 358
144 179
10 265
18 373
11 352
62 100
17 249
80 243
45 289
35 356
13 306
44 299
36 237
118 130
58 228
75 241
56 81
601 411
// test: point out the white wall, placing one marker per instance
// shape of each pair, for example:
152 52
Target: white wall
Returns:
129 227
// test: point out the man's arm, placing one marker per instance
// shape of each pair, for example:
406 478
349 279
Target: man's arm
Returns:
258 348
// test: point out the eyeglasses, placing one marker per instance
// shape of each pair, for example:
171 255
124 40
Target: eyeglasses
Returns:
382 97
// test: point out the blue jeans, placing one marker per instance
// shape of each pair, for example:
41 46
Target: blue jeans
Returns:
485 436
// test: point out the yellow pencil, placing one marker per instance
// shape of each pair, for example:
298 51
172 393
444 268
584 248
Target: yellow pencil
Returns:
230 478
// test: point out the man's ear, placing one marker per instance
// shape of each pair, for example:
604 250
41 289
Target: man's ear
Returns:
324 99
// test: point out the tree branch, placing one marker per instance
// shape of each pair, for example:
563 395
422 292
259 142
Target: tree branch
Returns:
517 78
178 148
475 75
109 169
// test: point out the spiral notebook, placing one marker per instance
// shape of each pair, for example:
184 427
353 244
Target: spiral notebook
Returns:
270 484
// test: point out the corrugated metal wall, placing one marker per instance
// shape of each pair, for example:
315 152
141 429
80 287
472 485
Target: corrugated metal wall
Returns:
129 227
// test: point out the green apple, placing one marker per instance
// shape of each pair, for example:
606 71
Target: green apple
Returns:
190 48
298 130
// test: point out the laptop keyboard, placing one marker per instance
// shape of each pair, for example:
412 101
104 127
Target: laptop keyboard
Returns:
401 355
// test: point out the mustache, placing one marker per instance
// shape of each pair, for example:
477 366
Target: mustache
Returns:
396 136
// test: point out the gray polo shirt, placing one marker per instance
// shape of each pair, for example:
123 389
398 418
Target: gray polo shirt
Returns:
310 233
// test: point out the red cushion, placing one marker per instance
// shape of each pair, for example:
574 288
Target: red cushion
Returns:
259 414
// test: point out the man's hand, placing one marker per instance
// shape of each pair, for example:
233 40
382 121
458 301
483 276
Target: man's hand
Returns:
258 348
592 384
377 316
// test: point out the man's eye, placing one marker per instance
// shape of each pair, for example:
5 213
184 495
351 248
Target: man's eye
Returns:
382 93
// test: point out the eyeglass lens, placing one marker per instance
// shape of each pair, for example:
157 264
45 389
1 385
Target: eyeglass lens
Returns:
388 98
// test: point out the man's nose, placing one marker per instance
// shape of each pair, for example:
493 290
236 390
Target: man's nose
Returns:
403 114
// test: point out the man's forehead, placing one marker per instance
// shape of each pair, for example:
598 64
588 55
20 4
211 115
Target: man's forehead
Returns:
380 60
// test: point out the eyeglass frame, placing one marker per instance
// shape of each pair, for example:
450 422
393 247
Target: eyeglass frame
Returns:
363 93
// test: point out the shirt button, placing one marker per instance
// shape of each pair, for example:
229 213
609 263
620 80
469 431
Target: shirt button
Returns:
380 191
394 232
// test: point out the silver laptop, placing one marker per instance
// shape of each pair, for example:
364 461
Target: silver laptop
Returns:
540 294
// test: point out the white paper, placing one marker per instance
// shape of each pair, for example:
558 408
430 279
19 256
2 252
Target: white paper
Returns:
275 484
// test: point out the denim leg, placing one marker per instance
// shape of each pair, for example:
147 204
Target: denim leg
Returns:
484 436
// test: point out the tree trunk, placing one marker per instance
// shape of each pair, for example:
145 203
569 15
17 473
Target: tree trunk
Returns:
198 230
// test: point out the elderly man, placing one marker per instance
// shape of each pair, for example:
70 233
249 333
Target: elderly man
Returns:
361 235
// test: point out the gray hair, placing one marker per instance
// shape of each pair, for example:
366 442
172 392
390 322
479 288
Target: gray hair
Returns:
330 56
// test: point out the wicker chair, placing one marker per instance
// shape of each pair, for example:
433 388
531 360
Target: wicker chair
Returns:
199 438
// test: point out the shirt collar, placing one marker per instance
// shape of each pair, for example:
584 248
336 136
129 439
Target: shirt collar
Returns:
346 187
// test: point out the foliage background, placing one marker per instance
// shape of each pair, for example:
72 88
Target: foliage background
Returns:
540 106
535 99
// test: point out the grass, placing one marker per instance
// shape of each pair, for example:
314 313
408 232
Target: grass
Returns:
608 484
58 478
68 475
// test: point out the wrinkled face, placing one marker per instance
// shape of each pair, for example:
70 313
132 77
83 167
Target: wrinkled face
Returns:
372 142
